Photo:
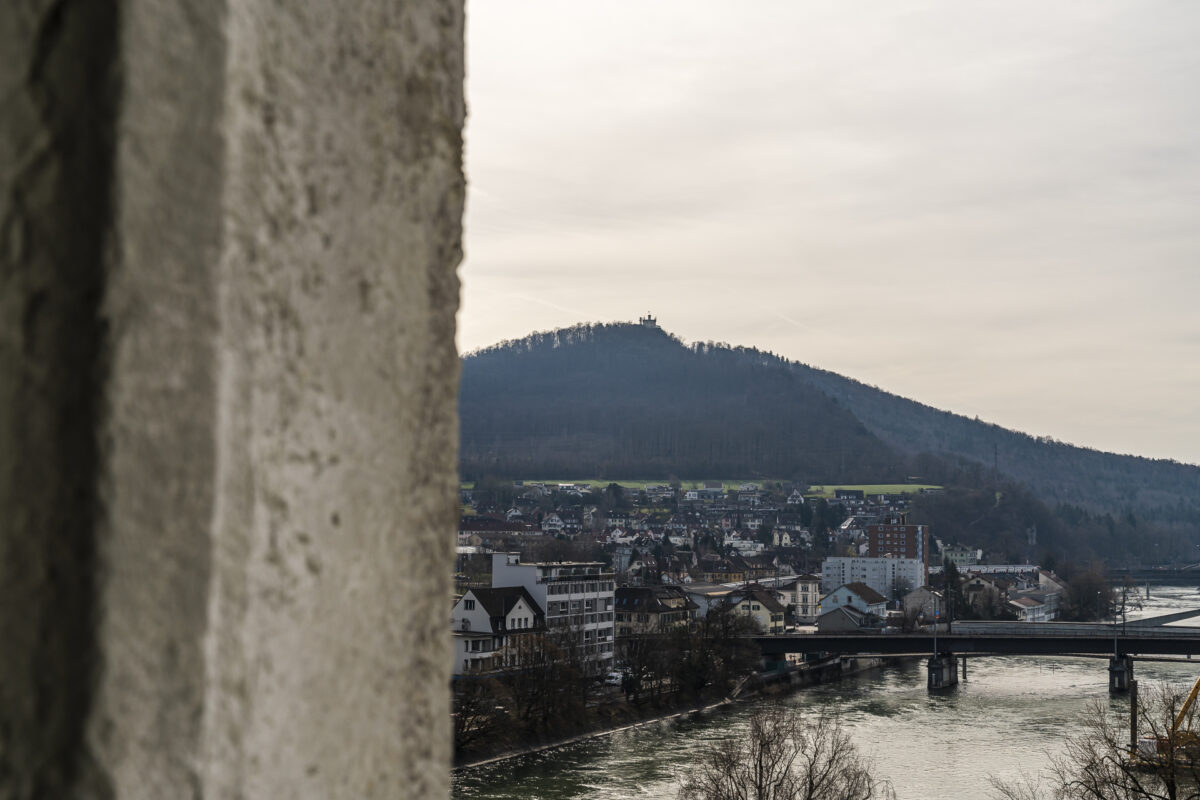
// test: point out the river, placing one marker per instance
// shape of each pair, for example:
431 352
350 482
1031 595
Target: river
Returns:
1009 717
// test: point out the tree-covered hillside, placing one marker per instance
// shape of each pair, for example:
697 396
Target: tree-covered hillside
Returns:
1158 490
623 400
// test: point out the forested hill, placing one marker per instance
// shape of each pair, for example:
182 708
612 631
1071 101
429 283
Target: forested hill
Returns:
623 400
627 401
1156 489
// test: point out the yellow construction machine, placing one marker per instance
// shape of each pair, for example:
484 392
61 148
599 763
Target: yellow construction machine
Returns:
1180 744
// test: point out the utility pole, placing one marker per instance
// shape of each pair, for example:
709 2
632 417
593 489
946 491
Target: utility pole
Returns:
935 625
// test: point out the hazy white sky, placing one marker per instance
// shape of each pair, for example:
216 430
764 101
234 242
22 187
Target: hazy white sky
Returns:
990 207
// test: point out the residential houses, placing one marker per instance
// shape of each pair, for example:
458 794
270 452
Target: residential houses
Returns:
578 599
892 536
707 596
960 555
985 593
715 568
927 604
808 598
847 619
759 605
855 595
652 609
1029 609
485 623
851 606
889 576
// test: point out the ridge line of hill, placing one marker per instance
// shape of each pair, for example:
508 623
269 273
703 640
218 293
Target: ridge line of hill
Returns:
623 398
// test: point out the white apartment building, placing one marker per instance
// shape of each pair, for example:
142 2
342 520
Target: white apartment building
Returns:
891 577
803 593
960 556
577 597
808 598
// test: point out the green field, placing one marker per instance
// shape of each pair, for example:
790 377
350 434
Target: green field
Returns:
638 484
641 483
871 488
814 491
593 482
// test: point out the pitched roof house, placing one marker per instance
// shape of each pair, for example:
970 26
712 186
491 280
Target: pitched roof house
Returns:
760 605
484 622
856 595
651 609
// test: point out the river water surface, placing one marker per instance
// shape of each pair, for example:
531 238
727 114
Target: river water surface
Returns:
1007 719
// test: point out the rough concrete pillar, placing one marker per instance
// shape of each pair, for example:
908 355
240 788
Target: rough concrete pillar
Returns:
228 236
942 671
1120 673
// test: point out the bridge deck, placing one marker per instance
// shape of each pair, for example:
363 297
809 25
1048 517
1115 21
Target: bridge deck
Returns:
1157 641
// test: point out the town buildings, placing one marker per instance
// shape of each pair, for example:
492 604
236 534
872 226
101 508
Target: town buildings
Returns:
803 594
892 536
485 623
890 576
651 609
760 606
577 598
851 606
856 595
960 556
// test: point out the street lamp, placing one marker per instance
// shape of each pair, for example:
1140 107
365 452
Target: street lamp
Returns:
935 625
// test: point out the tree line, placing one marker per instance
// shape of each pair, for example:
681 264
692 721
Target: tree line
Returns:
620 399
551 690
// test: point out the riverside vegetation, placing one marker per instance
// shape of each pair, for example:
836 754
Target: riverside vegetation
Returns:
555 696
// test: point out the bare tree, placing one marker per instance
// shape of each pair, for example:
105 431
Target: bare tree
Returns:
714 656
476 711
529 670
1098 764
648 662
785 756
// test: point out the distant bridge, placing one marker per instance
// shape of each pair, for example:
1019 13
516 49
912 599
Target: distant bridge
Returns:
1132 643
1166 576
1121 642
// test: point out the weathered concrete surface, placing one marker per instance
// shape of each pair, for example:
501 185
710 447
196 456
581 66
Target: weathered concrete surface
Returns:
228 487
56 133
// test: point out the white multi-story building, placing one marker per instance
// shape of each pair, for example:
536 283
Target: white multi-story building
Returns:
802 593
808 598
891 577
488 625
577 597
960 555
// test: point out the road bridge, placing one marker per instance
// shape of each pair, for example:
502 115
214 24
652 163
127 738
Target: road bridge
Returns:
1122 646
1165 576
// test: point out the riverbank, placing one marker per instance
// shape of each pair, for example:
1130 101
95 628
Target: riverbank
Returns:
759 683
1012 716
655 719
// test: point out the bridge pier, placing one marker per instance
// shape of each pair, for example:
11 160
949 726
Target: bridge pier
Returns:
1120 674
943 671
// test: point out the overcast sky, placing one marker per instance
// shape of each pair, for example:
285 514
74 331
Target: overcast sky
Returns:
992 208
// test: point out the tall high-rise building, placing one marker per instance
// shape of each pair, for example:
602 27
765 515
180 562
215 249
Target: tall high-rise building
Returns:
892 536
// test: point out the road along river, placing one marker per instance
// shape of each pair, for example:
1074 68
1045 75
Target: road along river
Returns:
1009 717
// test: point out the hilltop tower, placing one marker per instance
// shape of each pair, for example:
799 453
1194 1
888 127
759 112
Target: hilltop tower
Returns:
648 321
